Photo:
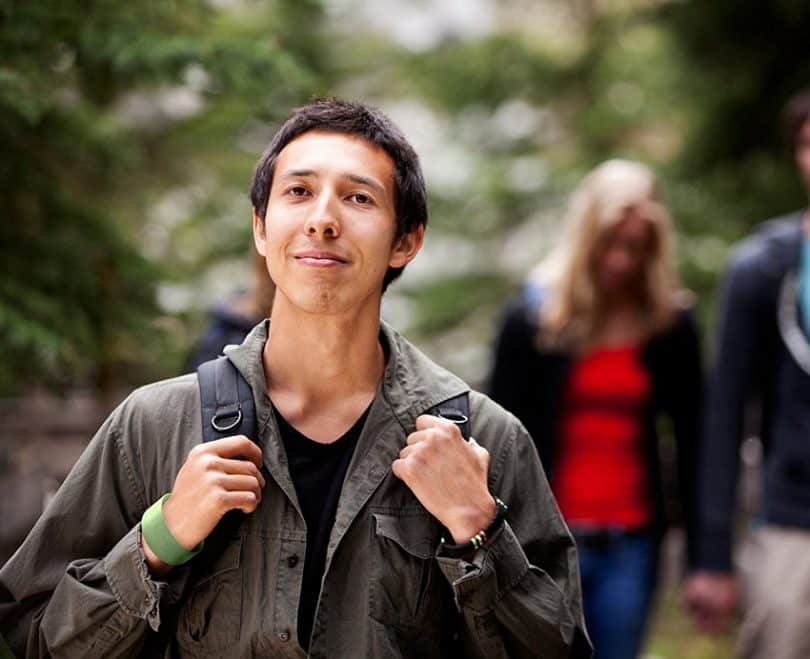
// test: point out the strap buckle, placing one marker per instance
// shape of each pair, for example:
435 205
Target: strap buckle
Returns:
227 414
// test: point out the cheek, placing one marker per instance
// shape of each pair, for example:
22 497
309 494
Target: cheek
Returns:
803 160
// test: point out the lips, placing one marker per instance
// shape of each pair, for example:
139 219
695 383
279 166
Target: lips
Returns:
320 257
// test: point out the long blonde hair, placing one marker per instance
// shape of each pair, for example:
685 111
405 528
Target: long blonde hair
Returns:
572 309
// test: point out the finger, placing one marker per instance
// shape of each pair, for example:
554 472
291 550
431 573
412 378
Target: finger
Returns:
237 446
231 466
239 483
399 467
416 437
240 500
425 421
405 452
481 453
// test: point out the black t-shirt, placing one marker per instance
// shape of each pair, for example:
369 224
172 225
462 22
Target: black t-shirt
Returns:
317 472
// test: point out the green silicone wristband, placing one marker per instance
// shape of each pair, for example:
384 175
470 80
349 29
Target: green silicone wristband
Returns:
160 539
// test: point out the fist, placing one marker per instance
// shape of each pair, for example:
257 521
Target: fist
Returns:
448 476
216 477
711 598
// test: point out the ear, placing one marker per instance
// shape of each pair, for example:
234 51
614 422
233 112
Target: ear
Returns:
406 247
259 237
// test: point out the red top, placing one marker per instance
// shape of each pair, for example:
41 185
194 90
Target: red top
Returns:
600 478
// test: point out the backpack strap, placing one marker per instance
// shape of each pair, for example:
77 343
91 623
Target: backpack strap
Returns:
227 409
457 410
226 400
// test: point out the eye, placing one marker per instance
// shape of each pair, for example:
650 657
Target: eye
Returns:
361 198
297 191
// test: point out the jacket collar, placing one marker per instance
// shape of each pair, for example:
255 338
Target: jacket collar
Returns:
411 382
779 242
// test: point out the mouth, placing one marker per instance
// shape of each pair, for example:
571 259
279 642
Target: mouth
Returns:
320 258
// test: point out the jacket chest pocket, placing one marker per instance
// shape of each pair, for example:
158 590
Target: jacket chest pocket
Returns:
211 617
406 584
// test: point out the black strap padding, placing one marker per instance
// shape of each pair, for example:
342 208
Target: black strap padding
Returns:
457 410
226 400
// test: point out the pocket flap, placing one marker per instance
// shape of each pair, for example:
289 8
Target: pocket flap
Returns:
414 533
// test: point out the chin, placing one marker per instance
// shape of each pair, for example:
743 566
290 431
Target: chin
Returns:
323 302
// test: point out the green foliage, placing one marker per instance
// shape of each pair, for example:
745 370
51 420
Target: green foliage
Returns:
128 133
486 72
445 303
103 108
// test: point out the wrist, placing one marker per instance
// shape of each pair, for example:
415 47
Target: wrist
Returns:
472 520
177 524
157 568
466 549
159 540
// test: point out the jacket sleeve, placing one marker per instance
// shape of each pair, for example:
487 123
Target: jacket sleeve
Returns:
519 595
740 319
683 393
79 586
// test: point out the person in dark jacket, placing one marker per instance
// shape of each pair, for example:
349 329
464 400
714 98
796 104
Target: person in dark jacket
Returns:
762 354
231 320
600 341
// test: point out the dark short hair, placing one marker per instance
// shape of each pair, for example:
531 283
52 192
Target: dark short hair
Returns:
340 116
794 116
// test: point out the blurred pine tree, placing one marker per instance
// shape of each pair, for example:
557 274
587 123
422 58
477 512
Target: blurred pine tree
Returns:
104 107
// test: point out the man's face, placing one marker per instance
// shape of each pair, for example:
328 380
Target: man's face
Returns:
328 233
803 154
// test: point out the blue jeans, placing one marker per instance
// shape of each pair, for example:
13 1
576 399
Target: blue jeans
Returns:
618 580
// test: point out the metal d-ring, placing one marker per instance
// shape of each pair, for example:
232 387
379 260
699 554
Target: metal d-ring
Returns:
214 420
454 416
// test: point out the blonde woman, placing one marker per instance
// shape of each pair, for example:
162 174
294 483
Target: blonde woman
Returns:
600 344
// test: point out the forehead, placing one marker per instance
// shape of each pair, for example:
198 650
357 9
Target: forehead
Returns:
330 153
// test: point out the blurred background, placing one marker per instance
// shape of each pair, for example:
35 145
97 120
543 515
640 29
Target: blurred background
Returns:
128 134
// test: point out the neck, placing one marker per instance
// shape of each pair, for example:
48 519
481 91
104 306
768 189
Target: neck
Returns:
318 359
621 303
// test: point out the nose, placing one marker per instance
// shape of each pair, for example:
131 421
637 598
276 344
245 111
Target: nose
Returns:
620 261
323 221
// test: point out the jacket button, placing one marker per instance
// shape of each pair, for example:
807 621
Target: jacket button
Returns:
292 561
284 636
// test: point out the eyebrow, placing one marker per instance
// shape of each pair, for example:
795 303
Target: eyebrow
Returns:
356 178
364 180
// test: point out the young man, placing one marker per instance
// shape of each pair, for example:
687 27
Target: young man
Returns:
763 349
350 488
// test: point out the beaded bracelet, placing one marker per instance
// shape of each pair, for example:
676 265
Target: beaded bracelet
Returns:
160 540
478 540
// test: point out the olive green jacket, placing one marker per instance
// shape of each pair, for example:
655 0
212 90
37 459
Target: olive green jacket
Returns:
79 585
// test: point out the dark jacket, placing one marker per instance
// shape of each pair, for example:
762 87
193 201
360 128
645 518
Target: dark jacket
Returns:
530 382
227 326
79 585
753 360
